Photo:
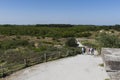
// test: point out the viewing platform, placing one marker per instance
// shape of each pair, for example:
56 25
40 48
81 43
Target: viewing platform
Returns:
111 58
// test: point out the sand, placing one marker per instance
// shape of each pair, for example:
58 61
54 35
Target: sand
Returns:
80 67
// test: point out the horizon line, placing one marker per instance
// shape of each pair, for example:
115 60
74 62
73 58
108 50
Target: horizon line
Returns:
63 24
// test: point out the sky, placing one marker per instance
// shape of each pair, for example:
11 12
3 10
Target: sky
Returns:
95 12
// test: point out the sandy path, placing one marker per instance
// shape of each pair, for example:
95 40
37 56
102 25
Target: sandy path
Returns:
81 67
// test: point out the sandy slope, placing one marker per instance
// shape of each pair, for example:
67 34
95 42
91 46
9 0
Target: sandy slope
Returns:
81 67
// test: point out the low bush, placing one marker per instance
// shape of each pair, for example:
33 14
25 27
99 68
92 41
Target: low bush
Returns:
101 65
108 40
10 44
71 42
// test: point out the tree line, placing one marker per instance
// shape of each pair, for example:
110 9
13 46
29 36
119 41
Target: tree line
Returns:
53 30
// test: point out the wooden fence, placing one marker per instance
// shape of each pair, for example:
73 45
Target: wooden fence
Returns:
7 69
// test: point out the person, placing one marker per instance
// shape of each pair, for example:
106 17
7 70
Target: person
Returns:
83 50
92 51
87 50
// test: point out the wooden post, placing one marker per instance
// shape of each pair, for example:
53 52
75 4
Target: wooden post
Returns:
67 53
59 55
2 70
45 57
25 62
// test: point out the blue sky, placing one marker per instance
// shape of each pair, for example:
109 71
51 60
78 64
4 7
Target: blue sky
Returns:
98 12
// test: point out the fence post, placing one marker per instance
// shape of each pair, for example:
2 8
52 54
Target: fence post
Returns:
67 53
2 70
59 54
25 62
45 57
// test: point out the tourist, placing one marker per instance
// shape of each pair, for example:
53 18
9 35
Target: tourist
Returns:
92 51
83 50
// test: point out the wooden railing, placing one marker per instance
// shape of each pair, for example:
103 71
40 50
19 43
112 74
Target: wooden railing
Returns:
7 69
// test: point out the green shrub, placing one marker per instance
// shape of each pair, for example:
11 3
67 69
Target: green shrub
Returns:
109 40
41 48
71 42
13 56
90 44
107 79
102 64
10 44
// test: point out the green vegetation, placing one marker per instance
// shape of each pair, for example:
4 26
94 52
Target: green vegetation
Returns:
9 44
109 40
101 65
107 79
18 53
71 42
22 46
16 59
53 30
